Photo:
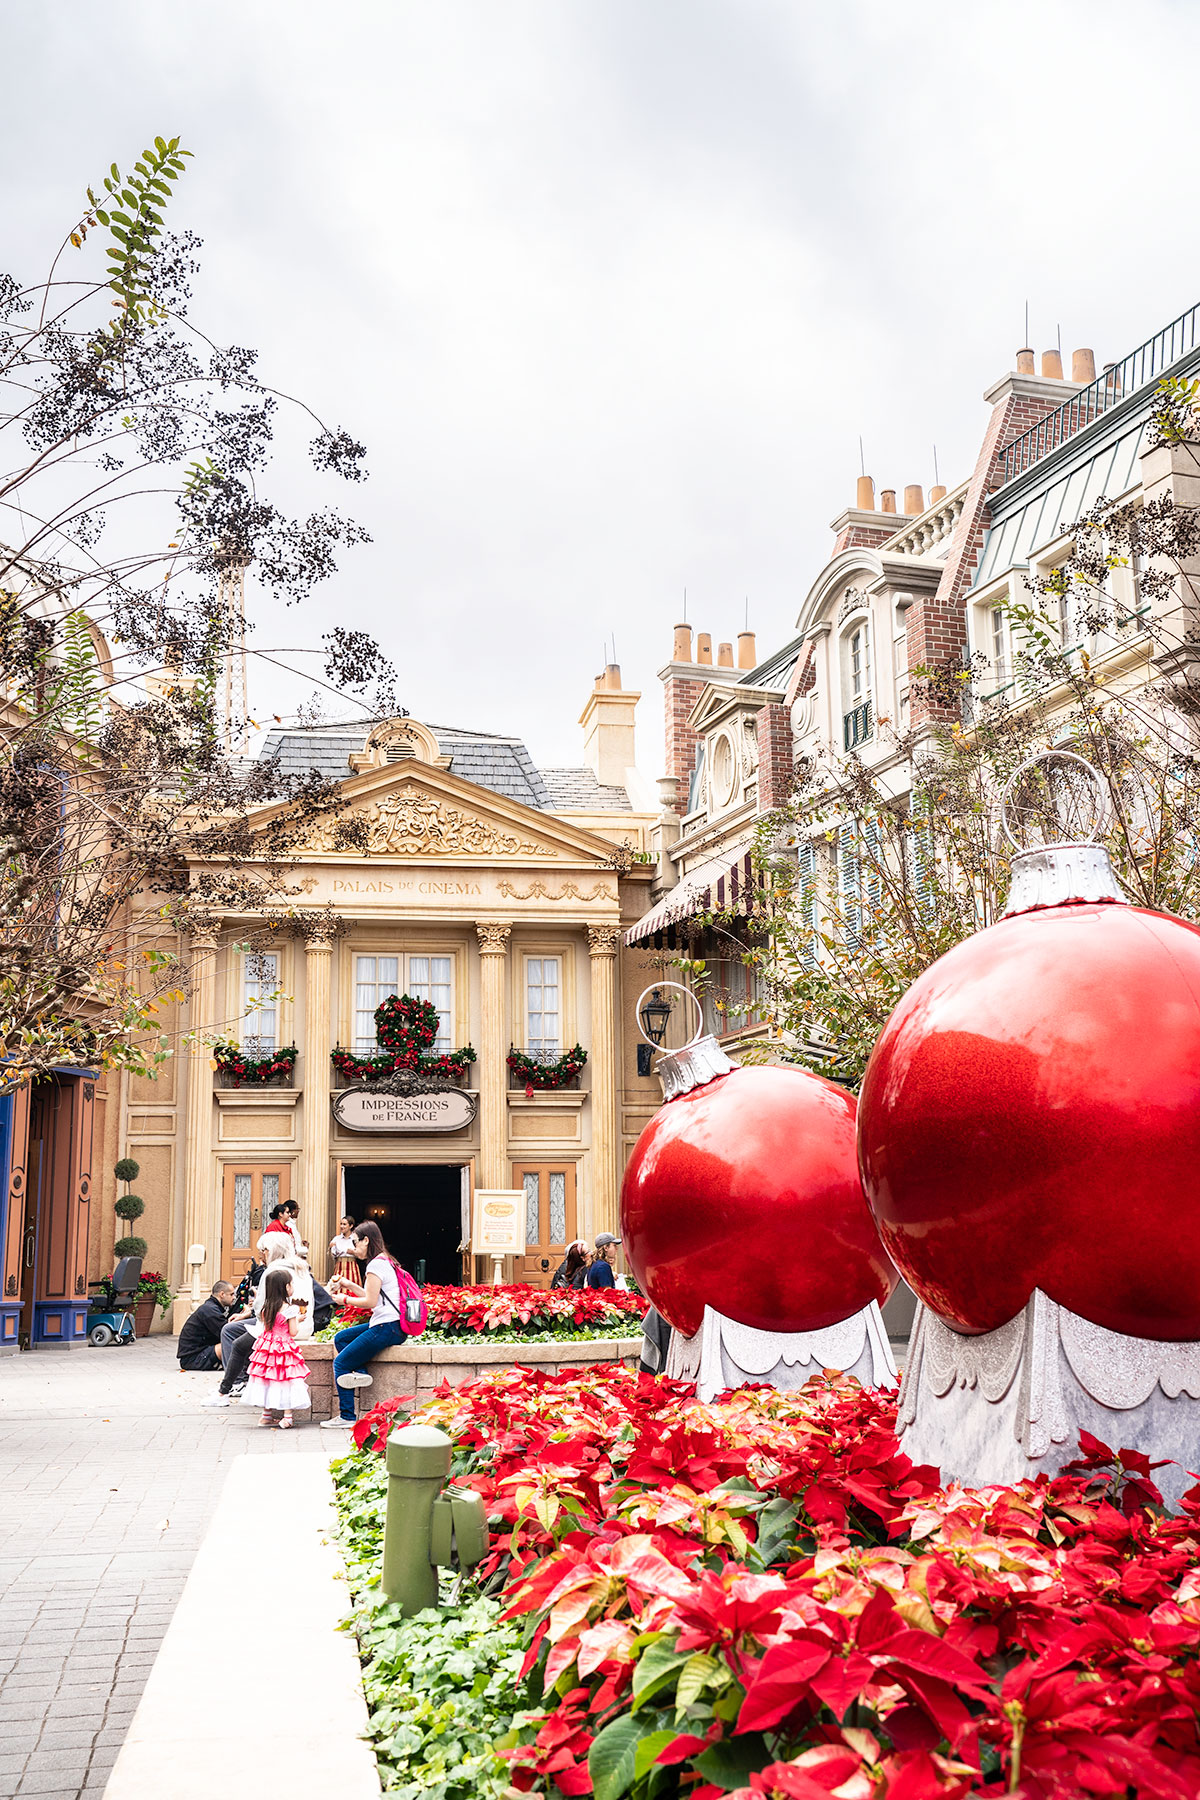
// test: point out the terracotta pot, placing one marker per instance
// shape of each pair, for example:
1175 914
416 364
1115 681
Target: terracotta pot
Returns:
143 1318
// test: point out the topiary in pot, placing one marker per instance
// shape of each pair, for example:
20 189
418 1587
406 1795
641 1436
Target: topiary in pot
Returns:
126 1169
130 1206
130 1246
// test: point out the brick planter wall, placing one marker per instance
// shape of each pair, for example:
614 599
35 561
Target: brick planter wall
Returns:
418 1368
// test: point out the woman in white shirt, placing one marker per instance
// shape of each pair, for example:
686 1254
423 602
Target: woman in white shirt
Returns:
341 1249
357 1344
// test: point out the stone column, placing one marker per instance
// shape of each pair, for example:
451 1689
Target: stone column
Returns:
603 944
200 1222
318 1042
493 1072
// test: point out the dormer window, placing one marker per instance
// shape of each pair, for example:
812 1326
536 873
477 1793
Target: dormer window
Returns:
857 721
398 740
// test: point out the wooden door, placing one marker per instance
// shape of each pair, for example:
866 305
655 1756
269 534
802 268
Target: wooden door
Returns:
251 1191
549 1218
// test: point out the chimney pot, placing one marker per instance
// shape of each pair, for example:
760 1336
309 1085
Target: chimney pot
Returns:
936 494
703 647
724 656
887 500
1051 365
1025 362
914 501
865 494
1083 366
683 644
746 652
612 678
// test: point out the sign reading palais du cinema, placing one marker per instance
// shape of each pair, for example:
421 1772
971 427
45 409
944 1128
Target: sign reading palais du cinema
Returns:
359 1109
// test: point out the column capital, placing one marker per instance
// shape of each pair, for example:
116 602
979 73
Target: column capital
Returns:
319 944
204 933
493 939
603 940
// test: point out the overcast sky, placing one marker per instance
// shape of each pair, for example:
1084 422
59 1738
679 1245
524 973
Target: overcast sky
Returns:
610 288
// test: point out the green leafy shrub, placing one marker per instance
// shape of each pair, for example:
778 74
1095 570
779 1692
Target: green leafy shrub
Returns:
127 1169
130 1246
130 1206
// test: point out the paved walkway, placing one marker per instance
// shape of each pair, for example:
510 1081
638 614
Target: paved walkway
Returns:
109 1473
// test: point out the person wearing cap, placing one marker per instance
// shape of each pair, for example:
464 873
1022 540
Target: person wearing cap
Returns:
600 1274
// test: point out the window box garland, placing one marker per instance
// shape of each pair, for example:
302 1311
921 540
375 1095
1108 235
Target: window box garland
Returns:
237 1069
451 1067
405 1028
542 1076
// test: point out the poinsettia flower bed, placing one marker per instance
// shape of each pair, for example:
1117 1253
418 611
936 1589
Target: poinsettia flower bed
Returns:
764 1597
514 1313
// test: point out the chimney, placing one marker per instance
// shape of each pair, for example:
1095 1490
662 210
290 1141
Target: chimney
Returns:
914 501
936 494
608 727
1083 366
1025 362
1051 366
682 651
887 500
724 656
746 652
683 685
703 648
865 494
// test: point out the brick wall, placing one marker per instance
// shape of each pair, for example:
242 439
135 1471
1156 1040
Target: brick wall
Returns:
774 756
680 694
937 625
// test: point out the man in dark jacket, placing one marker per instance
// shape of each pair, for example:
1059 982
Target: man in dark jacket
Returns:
200 1338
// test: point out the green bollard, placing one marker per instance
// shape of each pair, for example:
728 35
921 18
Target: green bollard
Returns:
418 1463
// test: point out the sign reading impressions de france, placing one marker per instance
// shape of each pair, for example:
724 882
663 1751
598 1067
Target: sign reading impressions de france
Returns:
361 1109
498 1225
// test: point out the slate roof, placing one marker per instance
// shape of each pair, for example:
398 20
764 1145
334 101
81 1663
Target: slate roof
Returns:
577 790
501 764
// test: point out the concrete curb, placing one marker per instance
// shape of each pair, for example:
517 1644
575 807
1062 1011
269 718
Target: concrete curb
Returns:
235 1698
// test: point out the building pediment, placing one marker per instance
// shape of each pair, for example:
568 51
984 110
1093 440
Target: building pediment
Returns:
419 812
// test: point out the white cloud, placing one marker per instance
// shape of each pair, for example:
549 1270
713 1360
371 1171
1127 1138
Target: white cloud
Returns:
611 287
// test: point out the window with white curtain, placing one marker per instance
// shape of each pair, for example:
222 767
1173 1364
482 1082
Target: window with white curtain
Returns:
424 977
260 1005
543 1003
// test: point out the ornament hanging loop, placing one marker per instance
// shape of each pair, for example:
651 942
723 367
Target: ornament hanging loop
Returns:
1063 797
656 988
697 1063
1049 793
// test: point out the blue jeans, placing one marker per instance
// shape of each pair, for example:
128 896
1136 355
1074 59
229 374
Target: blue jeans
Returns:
354 1349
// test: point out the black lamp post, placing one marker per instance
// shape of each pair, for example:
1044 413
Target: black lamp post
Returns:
655 1016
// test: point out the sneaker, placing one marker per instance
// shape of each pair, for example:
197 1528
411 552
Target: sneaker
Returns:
237 1390
337 1424
218 1400
355 1378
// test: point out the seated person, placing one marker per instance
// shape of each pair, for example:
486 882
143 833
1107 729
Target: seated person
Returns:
200 1338
600 1274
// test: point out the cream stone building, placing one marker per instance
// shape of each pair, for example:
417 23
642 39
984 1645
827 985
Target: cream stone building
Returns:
492 889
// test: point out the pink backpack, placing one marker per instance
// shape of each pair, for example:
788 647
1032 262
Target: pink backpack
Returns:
413 1311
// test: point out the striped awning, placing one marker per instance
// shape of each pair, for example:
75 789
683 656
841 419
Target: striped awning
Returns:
715 885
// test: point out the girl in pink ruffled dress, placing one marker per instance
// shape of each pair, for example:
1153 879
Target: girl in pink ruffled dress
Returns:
277 1378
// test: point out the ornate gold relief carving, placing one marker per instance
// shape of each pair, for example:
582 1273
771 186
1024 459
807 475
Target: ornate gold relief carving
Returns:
603 940
538 891
493 939
415 824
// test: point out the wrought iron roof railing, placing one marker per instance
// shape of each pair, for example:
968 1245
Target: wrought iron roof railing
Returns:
1117 381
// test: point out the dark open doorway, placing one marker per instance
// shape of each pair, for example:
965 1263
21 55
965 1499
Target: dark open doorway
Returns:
418 1208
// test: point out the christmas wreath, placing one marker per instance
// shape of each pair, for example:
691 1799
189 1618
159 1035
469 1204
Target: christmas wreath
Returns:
253 1071
545 1075
404 1029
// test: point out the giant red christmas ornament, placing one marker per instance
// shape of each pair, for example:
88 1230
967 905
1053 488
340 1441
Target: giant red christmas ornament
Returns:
1031 1116
743 1194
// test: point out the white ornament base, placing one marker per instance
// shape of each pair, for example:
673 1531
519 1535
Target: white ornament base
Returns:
1010 1404
724 1354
